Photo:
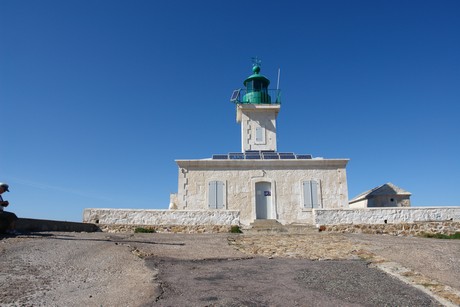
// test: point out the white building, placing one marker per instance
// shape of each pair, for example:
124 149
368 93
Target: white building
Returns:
259 181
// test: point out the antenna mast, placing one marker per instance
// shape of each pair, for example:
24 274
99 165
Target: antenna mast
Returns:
278 82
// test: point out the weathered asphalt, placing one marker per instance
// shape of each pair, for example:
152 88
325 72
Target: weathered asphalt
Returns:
101 269
279 282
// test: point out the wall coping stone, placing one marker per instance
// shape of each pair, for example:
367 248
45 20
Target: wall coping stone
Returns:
387 208
256 164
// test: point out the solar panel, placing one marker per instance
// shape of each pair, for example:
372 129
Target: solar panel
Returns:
270 155
258 155
252 156
287 155
219 157
235 95
236 155
303 157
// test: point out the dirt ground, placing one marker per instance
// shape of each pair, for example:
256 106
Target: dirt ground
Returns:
438 259
101 269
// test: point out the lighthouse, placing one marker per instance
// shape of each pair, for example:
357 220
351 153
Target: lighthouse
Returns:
257 108
259 182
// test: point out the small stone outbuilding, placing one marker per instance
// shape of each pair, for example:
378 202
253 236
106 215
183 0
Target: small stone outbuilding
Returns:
386 195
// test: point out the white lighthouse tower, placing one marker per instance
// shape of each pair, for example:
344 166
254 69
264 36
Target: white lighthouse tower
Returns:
257 111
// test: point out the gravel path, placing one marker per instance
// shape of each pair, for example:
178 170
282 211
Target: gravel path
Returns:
101 269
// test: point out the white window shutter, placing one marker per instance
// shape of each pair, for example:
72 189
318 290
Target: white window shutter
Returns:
314 194
219 194
310 194
307 203
212 195
216 195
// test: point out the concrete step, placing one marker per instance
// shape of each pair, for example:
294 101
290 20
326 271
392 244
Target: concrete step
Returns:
273 226
266 224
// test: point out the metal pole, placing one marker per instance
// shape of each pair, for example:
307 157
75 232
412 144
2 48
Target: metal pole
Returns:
278 82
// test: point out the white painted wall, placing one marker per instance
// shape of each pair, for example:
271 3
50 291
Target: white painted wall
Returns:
160 217
380 215
253 116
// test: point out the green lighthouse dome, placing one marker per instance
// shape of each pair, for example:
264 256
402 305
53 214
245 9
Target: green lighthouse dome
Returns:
256 88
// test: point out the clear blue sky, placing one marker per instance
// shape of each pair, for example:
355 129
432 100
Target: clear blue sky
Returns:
98 98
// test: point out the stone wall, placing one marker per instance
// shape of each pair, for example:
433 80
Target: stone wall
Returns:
384 215
123 228
34 225
401 229
164 218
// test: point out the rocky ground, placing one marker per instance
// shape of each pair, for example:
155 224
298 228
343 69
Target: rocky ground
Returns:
310 269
